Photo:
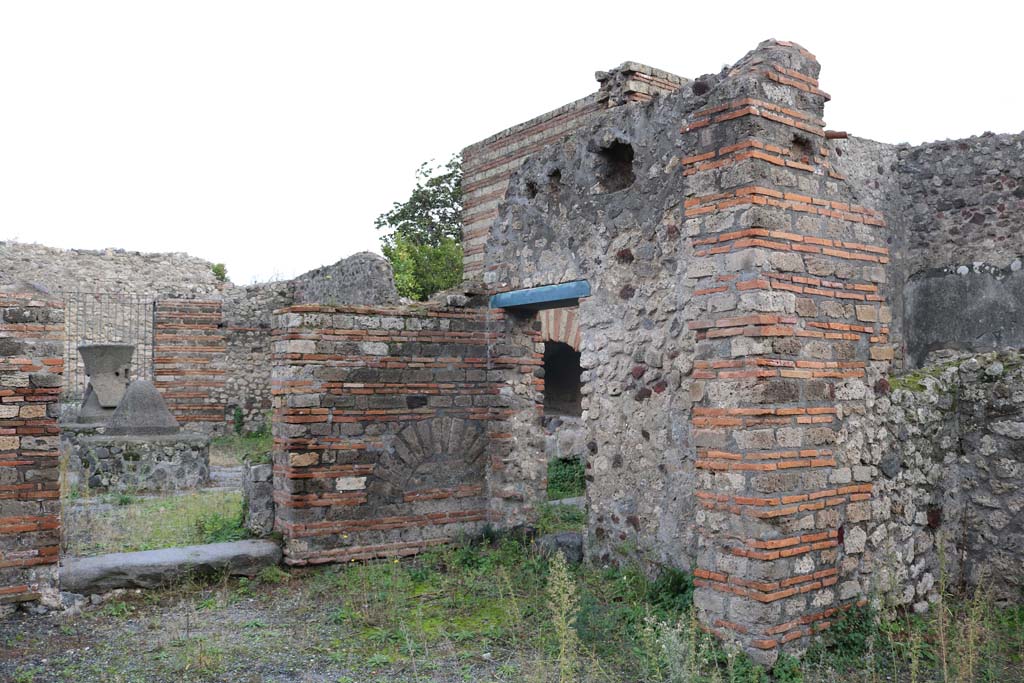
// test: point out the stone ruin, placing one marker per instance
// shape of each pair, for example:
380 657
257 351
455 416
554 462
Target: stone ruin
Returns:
756 290
124 437
781 351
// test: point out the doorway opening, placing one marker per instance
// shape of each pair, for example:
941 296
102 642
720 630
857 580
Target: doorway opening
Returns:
563 394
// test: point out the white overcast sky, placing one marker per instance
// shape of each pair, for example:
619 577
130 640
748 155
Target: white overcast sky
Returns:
269 135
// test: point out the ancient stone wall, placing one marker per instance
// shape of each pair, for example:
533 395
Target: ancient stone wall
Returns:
31 338
964 201
393 428
738 317
363 279
110 296
785 486
956 209
558 225
107 270
247 317
107 295
487 165
950 481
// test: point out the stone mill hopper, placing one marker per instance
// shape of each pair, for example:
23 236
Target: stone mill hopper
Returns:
107 366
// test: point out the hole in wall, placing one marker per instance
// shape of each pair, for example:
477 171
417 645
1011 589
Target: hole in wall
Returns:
531 189
803 148
562 387
555 180
615 166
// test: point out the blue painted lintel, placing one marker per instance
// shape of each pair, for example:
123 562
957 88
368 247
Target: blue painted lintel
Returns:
548 296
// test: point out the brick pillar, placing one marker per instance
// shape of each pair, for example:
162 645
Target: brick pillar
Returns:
31 365
189 361
792 328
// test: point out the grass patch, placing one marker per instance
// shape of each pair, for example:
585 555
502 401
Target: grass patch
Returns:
554 518
489 611
235 449
565 479
500 599
152 523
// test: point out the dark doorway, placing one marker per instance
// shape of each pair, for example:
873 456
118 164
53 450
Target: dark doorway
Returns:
562 395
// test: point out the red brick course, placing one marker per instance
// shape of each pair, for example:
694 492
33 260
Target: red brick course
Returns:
31 365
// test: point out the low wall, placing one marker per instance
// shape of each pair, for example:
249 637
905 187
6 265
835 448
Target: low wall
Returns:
171 462
393 429
31 363
950 481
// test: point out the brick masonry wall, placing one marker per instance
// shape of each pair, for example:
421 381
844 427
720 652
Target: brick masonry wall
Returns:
361 279
785 492
487 165
189 361
393 428
31 363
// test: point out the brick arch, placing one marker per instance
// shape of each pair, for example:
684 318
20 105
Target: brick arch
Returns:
560 325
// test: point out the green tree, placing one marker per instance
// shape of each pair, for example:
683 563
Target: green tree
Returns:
424 233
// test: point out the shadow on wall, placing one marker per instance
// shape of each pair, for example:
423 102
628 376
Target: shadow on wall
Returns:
965 308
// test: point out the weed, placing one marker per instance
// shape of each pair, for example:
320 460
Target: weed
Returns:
787 669
217 527
208 603
564 606
27 675
122 498
220 271
201 657
848 639
233 449
119 609
672 591
273 575
378 659
497 611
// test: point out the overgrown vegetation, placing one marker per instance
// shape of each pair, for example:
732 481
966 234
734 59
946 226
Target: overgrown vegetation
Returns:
487 611
150 523
220 271
234 449
565 478
915 379
423 238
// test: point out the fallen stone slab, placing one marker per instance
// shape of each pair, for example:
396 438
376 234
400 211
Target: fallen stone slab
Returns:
156 568
578 501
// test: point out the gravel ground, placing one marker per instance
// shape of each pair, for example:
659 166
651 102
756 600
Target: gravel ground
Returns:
235 631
